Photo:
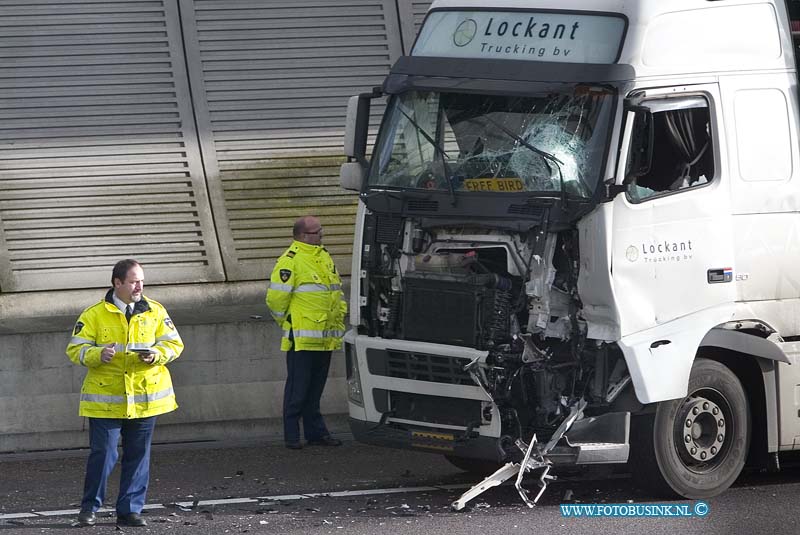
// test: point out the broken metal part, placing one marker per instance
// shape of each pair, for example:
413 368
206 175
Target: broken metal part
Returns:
539 459
543 477
535 459
576 411
532 353
478 376
533 462
505 472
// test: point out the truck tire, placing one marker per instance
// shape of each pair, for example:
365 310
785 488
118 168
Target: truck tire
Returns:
694 447
478 467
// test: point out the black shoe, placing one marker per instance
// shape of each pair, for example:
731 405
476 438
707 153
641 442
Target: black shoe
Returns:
131 519
294 445
325 441
87 518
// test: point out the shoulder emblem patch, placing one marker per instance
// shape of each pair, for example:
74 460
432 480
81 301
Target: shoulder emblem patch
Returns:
78 328
285 274
168 323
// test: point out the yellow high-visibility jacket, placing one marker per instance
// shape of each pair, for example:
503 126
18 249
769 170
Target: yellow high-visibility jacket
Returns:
305 297
126 387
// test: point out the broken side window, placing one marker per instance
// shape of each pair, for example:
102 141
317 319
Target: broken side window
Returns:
683 155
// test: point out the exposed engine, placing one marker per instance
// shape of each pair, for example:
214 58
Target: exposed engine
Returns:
510 293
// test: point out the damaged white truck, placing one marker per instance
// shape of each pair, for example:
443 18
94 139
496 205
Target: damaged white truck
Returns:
578 241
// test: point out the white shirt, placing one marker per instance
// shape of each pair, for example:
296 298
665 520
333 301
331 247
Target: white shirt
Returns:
120 305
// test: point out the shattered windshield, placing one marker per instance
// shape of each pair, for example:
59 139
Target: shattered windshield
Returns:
548 143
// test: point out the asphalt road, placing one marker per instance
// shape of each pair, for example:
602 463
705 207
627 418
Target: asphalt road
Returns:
265 488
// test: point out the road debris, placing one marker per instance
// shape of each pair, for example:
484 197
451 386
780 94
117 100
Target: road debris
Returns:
535 459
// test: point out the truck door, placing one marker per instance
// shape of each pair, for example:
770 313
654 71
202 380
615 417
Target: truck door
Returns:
671 247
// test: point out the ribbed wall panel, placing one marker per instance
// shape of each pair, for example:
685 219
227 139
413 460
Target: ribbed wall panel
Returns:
412 13
271 95
419 9
105 153
99 158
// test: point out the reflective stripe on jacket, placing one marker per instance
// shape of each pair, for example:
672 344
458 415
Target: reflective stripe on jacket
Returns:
305 298
126 387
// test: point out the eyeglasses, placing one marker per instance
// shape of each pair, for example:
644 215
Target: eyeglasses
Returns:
315 232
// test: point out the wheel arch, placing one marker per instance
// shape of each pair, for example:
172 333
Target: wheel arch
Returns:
756 371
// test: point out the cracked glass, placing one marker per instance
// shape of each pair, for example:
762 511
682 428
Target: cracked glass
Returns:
549 143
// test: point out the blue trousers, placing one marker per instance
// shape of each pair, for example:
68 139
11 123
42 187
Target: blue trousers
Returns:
306 373
104 435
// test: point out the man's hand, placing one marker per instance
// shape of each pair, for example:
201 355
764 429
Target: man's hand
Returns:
108 353
147 358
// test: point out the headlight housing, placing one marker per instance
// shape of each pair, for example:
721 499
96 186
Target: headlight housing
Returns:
354 392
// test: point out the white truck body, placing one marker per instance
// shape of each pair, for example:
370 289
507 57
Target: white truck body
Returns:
649 150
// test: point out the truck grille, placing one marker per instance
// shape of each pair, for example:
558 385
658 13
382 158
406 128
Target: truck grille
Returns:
435 409
418 367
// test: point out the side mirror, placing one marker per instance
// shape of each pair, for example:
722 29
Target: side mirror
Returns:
356 130
357 126
351 176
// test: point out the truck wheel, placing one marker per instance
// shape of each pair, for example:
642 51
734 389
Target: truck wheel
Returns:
694 447
478 467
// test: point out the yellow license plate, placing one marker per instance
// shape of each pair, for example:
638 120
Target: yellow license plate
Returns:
505 185
432 441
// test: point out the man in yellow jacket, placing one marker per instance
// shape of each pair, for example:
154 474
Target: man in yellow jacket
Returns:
305 298
125 342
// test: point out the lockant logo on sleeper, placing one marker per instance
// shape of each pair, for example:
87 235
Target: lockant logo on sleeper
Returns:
662 251
465 32
523 38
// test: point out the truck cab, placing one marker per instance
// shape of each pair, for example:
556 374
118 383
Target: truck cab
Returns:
579 227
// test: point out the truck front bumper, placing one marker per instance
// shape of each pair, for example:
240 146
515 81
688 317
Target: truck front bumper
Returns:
433 440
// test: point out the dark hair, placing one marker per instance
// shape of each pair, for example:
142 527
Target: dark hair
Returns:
122 268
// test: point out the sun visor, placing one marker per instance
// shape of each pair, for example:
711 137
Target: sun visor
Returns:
504 76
